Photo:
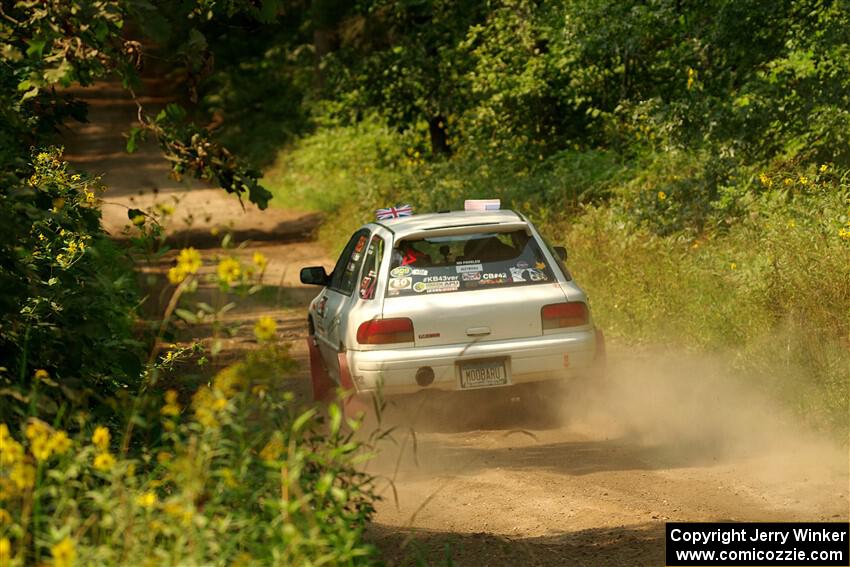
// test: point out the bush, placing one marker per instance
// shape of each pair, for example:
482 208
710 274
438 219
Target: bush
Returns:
241 476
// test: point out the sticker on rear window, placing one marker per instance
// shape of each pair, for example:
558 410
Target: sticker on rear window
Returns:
471 277
400 283
400 271
467 268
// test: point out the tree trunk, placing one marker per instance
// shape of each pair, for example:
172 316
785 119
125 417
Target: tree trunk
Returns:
439 138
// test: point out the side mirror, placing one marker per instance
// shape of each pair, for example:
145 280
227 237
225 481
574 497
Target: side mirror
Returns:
561 252
315 275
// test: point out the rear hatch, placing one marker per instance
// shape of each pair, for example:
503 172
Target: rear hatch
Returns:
474 286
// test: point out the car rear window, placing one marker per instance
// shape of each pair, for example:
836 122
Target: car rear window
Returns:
464 262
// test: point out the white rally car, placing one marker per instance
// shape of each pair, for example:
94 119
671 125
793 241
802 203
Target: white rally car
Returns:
450 301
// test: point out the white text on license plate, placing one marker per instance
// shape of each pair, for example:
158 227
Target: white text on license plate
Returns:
483 373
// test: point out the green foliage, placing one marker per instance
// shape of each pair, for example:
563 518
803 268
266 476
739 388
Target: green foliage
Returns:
241 476
67 296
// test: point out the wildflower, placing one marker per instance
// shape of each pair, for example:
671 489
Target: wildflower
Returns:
788 181
260 260
733 266
23 476
265 328
791 223
75 177
272 450
146 500
104 462
139 220
229 478
90 198
64 553
804 180
188 262
171 406
165 208
219 404
824 168
11 451
5 551
100 438
662 195
844 233
692 77
765 180
59 443
229 271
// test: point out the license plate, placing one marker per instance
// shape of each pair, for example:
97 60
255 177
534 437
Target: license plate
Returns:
483 373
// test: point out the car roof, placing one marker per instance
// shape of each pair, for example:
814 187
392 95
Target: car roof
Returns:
407 225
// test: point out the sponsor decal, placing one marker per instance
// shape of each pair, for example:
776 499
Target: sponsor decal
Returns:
419 287
355 256
401 271
516 274
494 281
468 268
540 266
320 308
430 279
439 287
419 272
350 267
392 292
429 335
537 275
522 265
471 277
361 242
400 283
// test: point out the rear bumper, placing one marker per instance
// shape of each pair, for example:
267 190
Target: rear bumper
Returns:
536 359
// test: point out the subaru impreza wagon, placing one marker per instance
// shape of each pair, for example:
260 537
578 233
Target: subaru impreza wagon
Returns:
451 301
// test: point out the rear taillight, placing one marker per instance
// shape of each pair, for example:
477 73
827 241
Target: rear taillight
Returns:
385 331
560 315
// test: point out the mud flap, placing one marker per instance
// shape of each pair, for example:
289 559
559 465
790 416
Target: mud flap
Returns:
323 385
353 405
600 359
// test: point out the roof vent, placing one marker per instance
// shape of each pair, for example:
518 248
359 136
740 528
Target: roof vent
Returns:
481 205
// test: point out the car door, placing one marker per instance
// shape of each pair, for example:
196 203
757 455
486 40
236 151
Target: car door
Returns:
337 297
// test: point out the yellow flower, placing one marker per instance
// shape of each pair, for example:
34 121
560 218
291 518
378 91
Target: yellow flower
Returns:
844 233
692 76
104 462
100 438
272 450
11 451
23 476
188 262
75 177
229 271
59 442
765 180
5 551
788 181
824 168
41 374
139 220
733 266
165 209
804 180
265 328
146 500
171 406
90 197
662 195
260 260
64 553
219 404
40 448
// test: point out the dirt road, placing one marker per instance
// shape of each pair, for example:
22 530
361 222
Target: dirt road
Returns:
670 438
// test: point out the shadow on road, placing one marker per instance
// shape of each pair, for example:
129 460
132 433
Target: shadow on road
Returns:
636 546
